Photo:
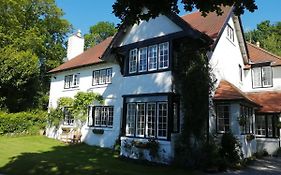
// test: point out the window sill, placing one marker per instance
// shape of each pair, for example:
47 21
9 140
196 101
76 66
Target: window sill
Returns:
147 72
71 89
99 86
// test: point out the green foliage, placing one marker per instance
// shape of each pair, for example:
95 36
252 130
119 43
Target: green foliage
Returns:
32 36
98 33
131 11
231 149
65 102
81 102
268 35
55 116
22 123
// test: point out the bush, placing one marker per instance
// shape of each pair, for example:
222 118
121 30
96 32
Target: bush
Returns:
231 150
22 122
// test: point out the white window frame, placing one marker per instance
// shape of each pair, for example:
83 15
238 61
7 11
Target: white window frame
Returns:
152 57
104 115
142 59
224 118
130 119
260 76
102 76
140 120
161 55
71 81
151 120
133 59
162 123
260 126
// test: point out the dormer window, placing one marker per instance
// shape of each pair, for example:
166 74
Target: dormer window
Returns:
71 81
148 59
262 77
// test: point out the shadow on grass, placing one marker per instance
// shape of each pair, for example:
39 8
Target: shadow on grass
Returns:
80 159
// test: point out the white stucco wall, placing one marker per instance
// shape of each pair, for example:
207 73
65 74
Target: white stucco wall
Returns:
157 27
226 58
112 93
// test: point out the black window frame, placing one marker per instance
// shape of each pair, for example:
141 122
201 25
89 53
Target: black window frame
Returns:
68 119
71 83
230 33
261 76
248 128
229 118
275 130
107 120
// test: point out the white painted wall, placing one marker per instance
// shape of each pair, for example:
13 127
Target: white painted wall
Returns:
159 26
112 93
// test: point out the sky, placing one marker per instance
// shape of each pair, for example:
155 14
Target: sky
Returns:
84 13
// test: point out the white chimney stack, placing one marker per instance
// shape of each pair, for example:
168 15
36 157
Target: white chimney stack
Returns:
75 45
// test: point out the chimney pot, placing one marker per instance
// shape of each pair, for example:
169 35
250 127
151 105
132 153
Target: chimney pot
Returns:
258 44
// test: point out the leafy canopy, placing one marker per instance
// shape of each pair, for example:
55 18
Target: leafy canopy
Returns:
131 11
268 35
98 33
32 36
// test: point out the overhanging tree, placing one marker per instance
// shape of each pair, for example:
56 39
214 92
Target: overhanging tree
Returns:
131 11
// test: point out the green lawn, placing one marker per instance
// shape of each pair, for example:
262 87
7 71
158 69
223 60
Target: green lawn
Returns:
40 155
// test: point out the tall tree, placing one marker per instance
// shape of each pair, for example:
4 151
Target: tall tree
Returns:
98 33
32 36
268 35
131 11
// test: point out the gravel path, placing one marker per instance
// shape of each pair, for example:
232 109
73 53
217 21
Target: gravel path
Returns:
268 165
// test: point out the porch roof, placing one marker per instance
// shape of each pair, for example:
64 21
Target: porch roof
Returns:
270 101
228 92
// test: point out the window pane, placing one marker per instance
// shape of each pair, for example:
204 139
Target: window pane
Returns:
142 59
260 125
68 81
269 126
76 80
163 55
130 120
151 120
162 120
108 75
97 116
96 77
223 118
256 77
266 76
110 117
133 61
152 58
68 118
104 115
140 119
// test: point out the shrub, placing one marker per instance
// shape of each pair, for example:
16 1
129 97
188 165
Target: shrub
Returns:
22 122
231 150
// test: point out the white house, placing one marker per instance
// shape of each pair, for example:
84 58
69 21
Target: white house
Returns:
137 84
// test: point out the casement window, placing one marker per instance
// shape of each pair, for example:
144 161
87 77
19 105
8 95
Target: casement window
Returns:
148 117
246 113
266 126
71 81
102 116
133 61
151 58
163 55
230 33
103 76
142 59
223 118
262 77
68 117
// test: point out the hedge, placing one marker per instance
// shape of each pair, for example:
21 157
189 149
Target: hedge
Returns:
22 122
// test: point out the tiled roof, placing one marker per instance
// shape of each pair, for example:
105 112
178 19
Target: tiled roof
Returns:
227 91
270 101
211 25
259 55
89 57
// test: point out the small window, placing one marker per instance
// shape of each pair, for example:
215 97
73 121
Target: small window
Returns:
133 61
68 117
260 125
103 76
230 33
262 77
103 116
223 118
163 55
240 73
71 81
246 113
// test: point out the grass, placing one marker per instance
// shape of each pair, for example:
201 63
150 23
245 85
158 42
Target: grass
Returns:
40 155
